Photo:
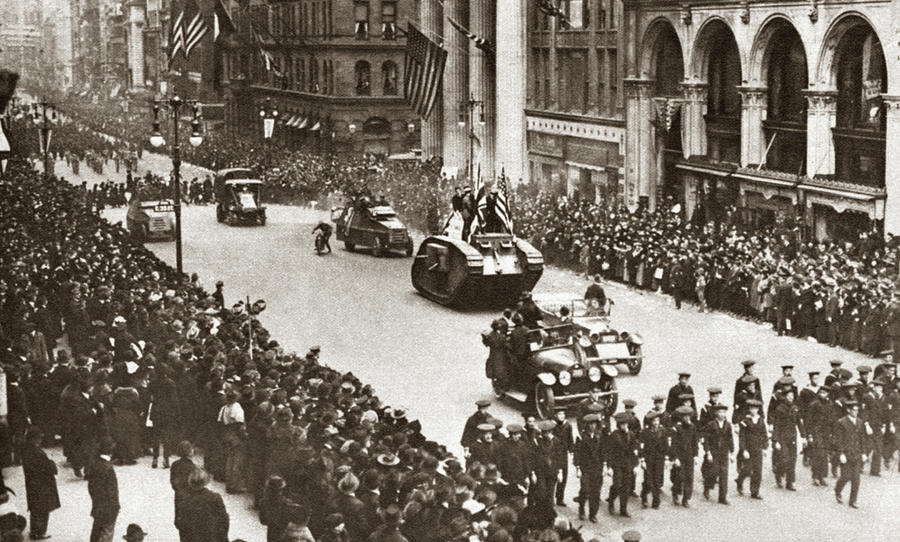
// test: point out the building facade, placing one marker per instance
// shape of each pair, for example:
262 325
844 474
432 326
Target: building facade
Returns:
33 42
575 107
335 77
766 112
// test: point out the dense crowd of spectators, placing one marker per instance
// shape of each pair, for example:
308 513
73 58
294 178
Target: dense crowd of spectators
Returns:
837 293
156 359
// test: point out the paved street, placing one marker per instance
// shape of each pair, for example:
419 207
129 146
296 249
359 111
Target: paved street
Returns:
369 320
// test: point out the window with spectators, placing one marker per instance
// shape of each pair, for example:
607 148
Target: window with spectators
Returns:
301 74
388 20
389 73
363 78
313 75
361 18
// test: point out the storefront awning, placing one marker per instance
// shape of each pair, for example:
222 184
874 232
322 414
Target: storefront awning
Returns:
585 166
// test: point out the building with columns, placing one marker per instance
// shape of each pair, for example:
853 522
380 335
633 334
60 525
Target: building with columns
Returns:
575 106
768 111
477 126
339 82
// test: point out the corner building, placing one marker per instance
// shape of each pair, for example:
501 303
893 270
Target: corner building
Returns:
763 113
575 108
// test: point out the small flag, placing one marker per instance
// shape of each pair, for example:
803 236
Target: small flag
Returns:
195 28
502 206
424 71
222 23
481 43
551 9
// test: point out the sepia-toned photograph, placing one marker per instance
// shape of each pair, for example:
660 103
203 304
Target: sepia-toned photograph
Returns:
449 270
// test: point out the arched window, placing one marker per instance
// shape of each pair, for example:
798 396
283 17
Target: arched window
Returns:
723 105
785 124
363 78
860 132
389 74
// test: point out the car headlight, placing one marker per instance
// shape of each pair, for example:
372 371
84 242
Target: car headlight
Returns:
585 342
594 374
564 377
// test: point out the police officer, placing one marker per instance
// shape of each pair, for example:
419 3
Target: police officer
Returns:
718 442
754 439
590 459
622 458
655 448
787 371
684 451
514 460
707 415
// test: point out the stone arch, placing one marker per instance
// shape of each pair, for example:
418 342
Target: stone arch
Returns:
704 43
758 71
656 30
827 65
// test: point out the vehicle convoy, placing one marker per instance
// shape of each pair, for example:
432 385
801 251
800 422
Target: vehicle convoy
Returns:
601 342
150 219
557 374
377 228
239 197
493 269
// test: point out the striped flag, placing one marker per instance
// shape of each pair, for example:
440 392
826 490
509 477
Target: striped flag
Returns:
222 23
480 43
502 207
424 71
176 34
195 28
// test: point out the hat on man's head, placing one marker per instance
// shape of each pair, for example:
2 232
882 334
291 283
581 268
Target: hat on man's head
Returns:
684 411
713 390
748 362
546 425
684 373
621 418
481 403
658 398
514 428
134 533
486 427
864 369
629 403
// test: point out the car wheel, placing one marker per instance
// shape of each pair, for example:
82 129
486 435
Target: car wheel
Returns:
348 246
377 247
635 365
544 401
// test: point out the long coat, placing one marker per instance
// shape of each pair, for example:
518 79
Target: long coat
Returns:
40 480
202 517
103 487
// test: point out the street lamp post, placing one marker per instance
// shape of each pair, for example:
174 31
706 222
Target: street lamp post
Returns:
269 114
156 139
467 115
45 117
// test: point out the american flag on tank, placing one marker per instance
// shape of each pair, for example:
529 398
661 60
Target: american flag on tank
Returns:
502 207
424 71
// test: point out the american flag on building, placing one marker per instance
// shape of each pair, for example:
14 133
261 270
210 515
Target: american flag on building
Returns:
424 71
195 27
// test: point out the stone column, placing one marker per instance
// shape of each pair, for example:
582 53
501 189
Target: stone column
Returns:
892 166
753 112
431 15
640 144
482 83
593 63
693 122
136 42
821 115
511 79
553 99
456 88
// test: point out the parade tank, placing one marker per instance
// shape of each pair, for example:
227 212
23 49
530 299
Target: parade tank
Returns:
492 269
